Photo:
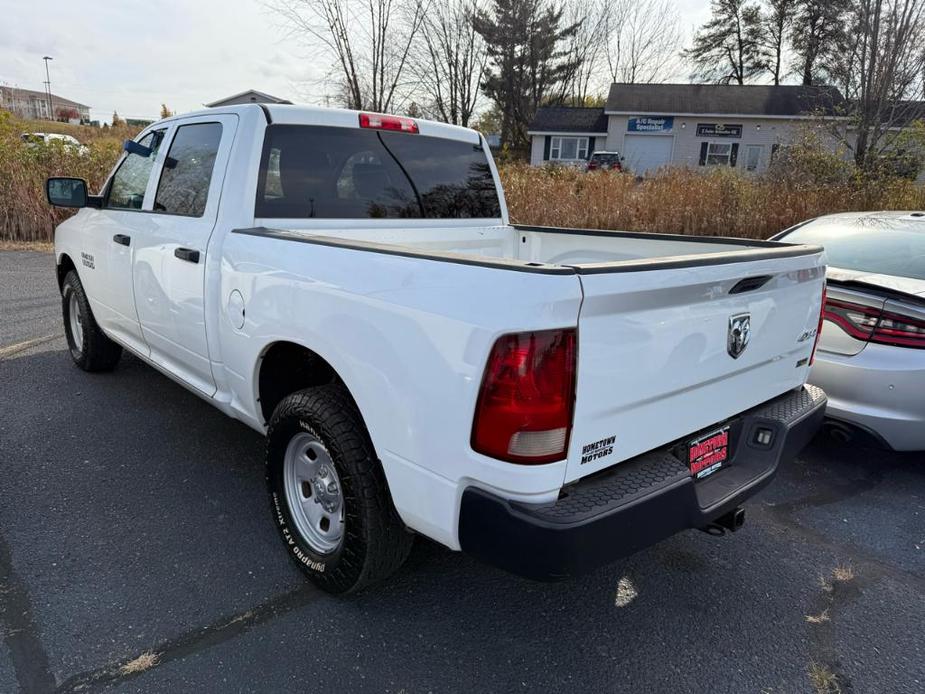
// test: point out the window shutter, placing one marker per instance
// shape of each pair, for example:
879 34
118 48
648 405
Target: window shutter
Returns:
734 154
546 144
590 148
703 153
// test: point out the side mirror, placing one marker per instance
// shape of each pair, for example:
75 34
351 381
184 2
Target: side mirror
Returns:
66 192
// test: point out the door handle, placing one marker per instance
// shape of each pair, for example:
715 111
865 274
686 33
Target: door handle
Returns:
187 254
123 239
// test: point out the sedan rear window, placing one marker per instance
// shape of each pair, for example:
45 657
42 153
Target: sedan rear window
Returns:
349 173
605 158
883 246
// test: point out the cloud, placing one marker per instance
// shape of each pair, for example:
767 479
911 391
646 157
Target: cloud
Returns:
133 55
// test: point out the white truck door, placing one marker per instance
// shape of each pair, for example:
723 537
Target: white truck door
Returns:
170 258
105 262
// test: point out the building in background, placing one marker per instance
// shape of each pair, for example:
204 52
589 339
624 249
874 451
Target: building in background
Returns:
654 125
251 96
27 103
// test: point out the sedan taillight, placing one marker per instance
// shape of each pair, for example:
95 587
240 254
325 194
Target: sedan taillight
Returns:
876 325
900 330
524 410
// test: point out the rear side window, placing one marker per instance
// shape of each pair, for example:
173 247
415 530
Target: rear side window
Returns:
127 190
187 173
351 173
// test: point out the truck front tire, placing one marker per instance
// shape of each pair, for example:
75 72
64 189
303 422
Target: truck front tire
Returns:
328 493
89 346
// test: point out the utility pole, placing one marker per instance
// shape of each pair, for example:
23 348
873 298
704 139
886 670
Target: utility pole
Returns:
51 112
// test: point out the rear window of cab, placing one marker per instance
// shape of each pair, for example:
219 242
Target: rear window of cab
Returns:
309 171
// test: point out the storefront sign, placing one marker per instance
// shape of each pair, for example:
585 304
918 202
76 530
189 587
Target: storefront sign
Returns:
650 124
719 130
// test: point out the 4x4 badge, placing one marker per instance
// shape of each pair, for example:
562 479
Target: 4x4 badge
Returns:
740 328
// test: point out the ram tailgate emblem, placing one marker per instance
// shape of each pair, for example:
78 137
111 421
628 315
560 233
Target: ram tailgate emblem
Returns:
740 328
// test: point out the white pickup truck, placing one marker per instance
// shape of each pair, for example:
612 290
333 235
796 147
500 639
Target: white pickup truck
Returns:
349 285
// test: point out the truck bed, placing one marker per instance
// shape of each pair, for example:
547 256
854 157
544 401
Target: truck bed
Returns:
541 249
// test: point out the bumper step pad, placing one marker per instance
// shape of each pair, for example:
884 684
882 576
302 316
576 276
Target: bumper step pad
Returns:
637 502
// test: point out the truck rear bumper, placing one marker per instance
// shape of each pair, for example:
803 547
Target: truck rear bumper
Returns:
638 502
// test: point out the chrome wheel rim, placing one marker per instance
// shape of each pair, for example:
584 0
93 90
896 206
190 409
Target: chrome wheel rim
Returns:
313 493
76 321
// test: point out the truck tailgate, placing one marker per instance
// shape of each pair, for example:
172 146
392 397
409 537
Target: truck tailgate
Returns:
654 361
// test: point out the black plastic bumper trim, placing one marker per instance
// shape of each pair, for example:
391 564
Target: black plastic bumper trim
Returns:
637 502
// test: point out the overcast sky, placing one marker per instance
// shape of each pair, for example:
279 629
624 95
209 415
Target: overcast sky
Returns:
133 55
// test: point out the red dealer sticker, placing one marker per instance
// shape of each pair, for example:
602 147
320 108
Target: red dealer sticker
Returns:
707 454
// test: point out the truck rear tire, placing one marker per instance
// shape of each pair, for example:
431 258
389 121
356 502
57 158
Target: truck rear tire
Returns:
89 346
328 492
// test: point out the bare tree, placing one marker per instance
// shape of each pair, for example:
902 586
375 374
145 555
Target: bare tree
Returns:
642 40
449 61
586 49
367 41
776 20
882 74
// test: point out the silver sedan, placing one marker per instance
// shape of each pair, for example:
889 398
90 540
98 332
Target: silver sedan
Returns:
870 358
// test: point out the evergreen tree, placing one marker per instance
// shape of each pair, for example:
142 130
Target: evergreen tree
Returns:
727 49
818 31
528 63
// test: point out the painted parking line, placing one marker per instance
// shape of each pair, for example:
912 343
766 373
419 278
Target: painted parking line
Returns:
17 347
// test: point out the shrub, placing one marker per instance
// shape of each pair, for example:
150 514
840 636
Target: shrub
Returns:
714 201
25 215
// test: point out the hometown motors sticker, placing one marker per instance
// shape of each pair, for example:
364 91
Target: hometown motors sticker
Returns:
598 449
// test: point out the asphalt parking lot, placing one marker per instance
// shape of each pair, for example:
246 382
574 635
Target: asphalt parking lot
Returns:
137 553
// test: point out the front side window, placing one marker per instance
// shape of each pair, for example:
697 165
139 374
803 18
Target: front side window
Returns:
568 148
127 190
187 173
323 172
718 153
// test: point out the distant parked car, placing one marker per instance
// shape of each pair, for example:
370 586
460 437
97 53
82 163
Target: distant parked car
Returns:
871 355
605 161
69 141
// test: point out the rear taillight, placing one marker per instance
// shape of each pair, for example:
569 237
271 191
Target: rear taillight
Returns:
875 325
857 320
524 410
378 121
900 330
592 165
812 356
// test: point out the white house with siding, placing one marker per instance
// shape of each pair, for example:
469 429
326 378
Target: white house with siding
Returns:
654 125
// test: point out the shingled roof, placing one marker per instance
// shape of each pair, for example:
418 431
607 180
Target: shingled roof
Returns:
569 120
747 100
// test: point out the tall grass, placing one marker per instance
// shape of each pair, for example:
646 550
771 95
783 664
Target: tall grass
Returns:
684 201
718 201
25 215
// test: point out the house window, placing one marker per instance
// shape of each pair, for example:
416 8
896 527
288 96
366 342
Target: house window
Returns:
752 157
719 153
568 148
